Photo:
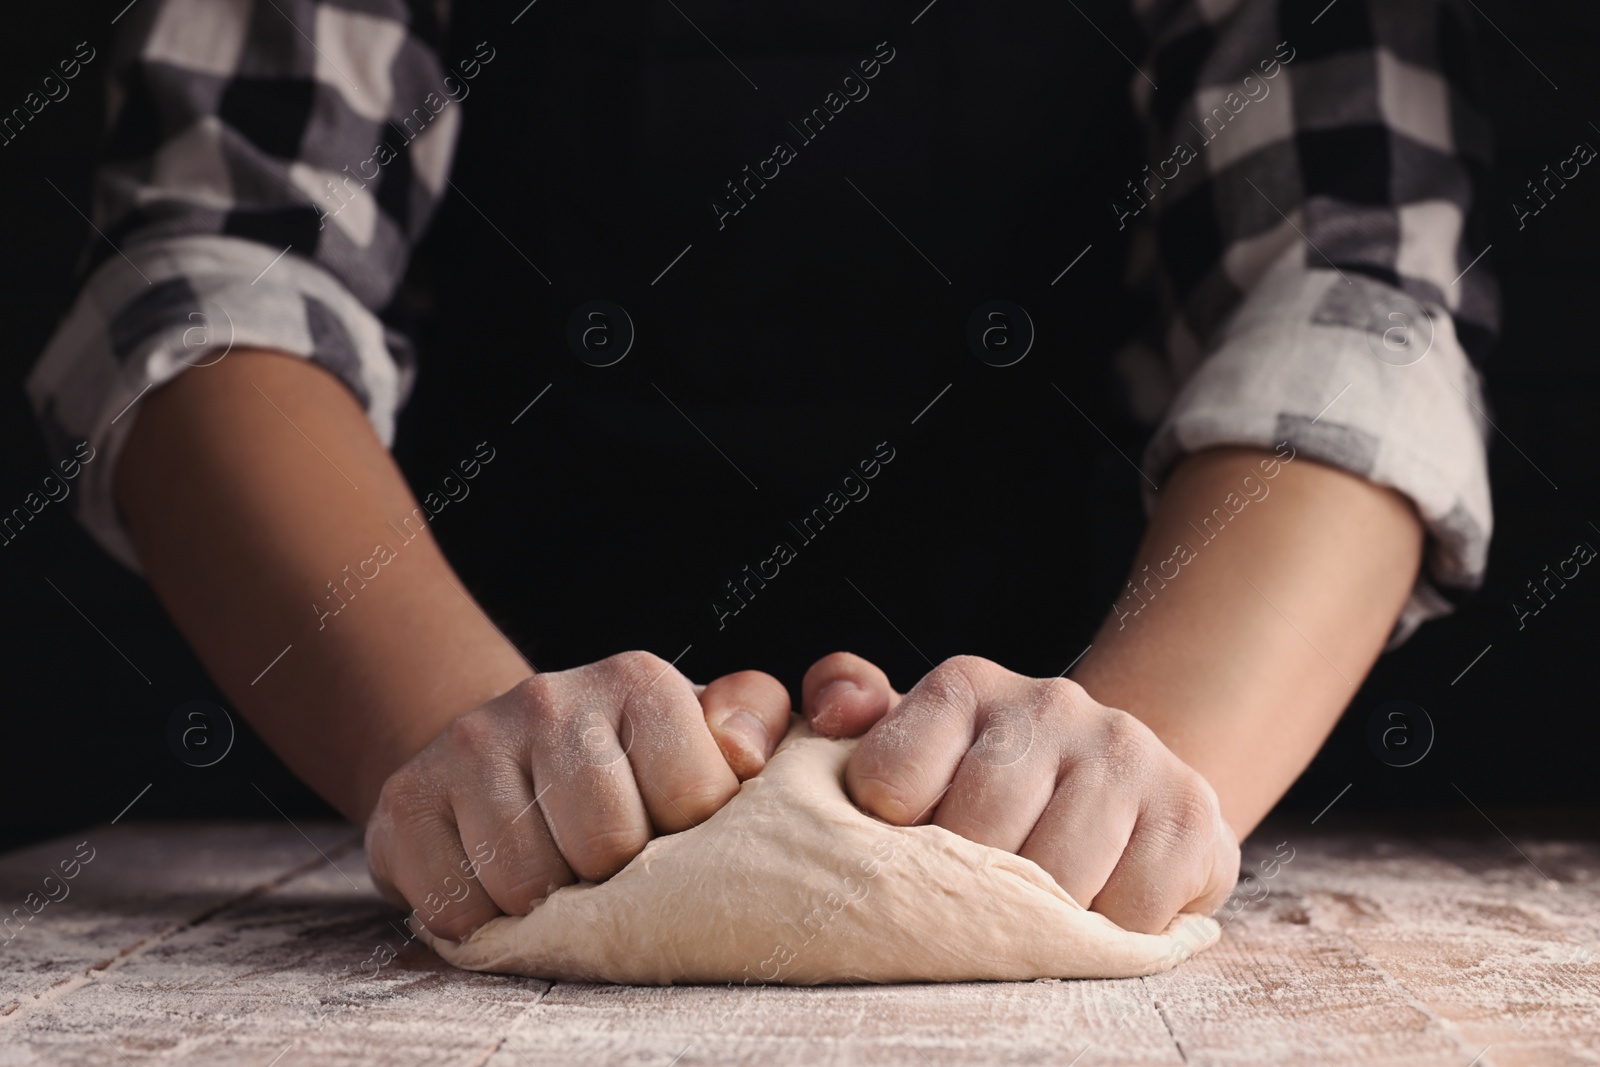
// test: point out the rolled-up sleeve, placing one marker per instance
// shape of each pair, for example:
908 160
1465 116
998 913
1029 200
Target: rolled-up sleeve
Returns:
267 169
1312 235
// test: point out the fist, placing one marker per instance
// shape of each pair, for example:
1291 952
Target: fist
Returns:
1039 768
567 776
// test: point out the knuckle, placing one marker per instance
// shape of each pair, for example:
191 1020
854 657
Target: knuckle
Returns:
558 717
477 731
537 697
1064 695
1190 814
952 683
408 796
1130 747
647 685
1061 707
636 667
1009 732
969 667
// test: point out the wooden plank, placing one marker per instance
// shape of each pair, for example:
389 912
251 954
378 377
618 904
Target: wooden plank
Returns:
279 978
1279 988
1503 944
1088 1023
139 883
241 944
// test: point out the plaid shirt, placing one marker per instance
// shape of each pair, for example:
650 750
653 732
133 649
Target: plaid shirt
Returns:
1309 233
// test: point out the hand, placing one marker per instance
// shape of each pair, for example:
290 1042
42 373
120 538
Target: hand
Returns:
567 776
1039 768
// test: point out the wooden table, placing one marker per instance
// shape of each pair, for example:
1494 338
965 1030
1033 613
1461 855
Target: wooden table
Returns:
1415 943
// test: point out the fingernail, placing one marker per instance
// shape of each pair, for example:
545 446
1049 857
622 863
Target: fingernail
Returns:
745 732
830 705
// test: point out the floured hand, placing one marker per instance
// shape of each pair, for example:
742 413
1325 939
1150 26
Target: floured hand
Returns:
565 777
1039 768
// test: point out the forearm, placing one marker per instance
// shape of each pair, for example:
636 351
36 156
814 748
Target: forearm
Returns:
241 525
1242 651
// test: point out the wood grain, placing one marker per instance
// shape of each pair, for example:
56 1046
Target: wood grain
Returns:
1415 943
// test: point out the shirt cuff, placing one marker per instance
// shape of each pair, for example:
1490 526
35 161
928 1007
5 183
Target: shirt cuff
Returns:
1356 374
186 304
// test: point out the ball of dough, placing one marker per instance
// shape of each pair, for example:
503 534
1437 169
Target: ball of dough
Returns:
792 883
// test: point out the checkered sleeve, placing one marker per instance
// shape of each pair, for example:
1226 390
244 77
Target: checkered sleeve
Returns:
1312 240
267 168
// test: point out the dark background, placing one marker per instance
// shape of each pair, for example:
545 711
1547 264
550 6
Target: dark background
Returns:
797 340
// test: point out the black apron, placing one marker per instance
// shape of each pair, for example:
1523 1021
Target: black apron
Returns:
803 221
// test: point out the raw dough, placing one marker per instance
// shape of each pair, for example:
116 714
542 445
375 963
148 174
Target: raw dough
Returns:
792 883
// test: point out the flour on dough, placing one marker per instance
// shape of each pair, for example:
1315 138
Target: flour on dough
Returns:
792 883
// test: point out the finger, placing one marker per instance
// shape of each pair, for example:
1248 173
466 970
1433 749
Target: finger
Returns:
1006 779
748 713
1222 869
843 695
1082 834
581 774
1165 866
905 763
416 849
375 846
510 849
682 776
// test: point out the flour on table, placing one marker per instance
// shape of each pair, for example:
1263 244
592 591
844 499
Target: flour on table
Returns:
792 883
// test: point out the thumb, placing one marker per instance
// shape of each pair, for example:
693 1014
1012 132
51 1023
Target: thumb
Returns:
748 714
843 695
